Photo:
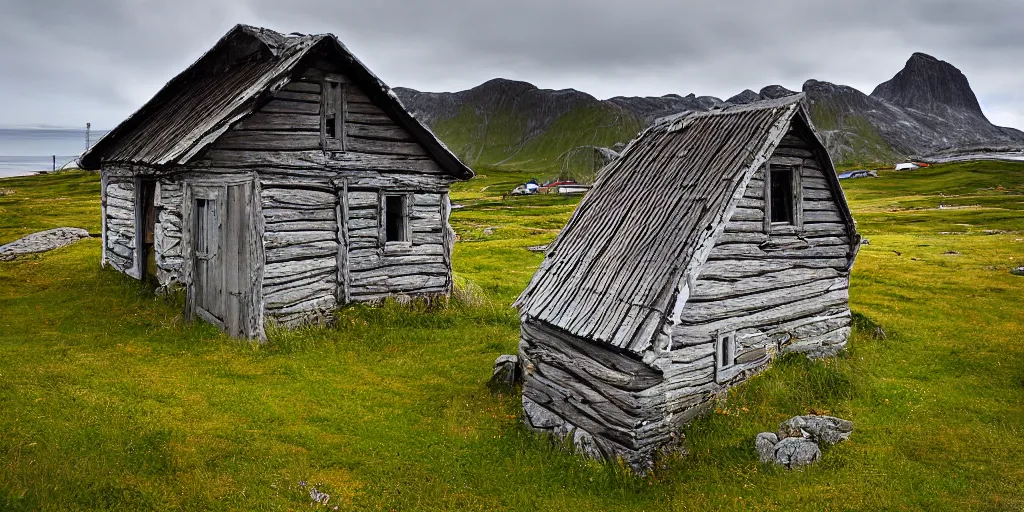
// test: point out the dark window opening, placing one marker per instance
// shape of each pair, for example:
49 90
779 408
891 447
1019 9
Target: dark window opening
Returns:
332 131
726 350
202 229
149 228
396 220
782 196
333 108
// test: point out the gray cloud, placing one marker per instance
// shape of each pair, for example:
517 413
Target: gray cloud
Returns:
67 62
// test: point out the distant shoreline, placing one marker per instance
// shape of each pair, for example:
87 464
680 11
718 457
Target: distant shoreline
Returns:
1002 156
11 166
26 174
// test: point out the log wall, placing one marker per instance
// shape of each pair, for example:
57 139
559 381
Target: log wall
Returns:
377 269
168 232
285 133
783 290
607 403
119 223
779 292
324 234
301 245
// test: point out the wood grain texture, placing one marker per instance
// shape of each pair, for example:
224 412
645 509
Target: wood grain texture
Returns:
672 248
284 228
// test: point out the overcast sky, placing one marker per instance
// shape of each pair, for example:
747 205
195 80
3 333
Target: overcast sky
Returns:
65 62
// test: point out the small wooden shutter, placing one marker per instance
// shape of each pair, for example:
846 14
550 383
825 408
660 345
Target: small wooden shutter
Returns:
798 198
332 113
767 198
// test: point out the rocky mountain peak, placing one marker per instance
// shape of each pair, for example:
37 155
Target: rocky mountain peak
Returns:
929 84
505 85
928 108
772 92
744 97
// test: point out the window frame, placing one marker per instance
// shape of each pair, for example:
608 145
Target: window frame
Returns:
726 368
333 102
406 216
797 197
207 225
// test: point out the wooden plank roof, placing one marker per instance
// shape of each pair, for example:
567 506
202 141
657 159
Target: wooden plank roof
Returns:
229 82
613 273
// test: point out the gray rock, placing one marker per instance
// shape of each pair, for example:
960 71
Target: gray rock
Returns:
796 451
775 91
506 373
826 429
41 242
747 96
765 444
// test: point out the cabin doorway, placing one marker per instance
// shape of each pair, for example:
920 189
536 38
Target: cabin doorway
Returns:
146 228
221 291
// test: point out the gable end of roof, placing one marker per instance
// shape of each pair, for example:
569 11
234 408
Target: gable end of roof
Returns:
613 274
229 82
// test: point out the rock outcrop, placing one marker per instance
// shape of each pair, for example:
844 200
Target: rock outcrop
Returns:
797 442
930 85
42 241
927 109
506 373
744 97
820 429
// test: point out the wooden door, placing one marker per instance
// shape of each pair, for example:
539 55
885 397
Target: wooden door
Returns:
221 291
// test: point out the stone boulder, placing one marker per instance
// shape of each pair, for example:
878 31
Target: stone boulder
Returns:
765 444
41 242
796 451
790 451
796 444
823 429
506 373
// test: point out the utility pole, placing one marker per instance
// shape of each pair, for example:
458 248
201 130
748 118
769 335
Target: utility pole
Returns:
88 126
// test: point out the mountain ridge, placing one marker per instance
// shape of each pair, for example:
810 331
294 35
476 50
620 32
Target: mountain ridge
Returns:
927 108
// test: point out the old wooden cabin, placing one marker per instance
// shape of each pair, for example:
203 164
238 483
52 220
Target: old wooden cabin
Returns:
718 240
274 179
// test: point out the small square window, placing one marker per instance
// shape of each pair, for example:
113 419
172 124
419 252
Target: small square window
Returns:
396 218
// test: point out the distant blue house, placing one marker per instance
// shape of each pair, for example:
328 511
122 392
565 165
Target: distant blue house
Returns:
858 174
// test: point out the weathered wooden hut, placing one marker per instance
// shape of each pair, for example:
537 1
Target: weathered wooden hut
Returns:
276 178
718 240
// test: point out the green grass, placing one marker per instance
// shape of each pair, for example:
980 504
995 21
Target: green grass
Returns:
109 401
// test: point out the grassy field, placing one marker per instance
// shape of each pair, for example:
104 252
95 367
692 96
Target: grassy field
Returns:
108 400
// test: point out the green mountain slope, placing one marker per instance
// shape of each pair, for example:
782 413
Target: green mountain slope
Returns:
514 124
503 138
927 109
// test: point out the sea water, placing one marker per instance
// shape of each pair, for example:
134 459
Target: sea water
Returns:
25 151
